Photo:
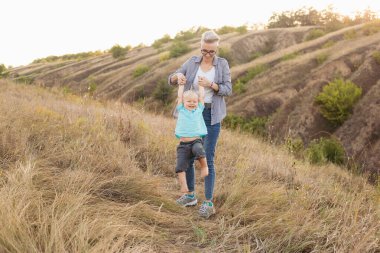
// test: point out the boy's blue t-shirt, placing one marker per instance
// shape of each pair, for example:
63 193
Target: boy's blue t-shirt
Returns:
190 123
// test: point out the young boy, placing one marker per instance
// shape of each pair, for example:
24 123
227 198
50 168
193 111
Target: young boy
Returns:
190 129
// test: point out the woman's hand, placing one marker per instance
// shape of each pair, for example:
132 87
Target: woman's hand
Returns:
203 81
181 79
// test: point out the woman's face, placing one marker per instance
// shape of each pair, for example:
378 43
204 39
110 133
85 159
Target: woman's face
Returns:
208 50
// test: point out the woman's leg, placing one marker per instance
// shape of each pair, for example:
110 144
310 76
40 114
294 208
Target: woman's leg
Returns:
210 144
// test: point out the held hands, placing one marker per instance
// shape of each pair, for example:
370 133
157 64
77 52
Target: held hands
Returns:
203 81
181 79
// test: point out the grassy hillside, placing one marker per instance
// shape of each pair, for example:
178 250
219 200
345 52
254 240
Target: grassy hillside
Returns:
277 74
83 176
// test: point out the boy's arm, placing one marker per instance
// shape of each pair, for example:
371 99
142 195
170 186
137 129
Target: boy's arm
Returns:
201 94
180 94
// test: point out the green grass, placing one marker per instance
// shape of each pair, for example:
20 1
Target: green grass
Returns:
140 70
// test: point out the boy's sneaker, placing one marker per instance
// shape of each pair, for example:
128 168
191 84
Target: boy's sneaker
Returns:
187 200
207 209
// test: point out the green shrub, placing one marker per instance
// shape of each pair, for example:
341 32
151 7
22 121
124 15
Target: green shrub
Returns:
290 56
186 35
3 71
376 57
321 58
253 125
163 92
158 43
242 29
350 35
226 54
178 48
313 34
240 84
325 150
239 87
91 85
119 52
328 44
164 56
253 72
295 146
371 28
255 55
225 29
140 70
337 100
24 79
67 57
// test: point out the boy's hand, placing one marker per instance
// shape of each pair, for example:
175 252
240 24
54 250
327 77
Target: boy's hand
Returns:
203 81
181 79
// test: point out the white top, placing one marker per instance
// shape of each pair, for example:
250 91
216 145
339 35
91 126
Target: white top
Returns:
209 75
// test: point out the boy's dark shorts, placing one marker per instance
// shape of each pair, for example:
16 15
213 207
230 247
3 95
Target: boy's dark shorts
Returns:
186 151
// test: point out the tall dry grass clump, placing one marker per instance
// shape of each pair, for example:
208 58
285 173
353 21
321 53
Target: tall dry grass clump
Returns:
84 176
68 183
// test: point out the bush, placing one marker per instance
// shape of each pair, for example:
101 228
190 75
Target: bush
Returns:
24 79
118 52
140 70
325 150
350 35
164 56
337 100
225 29
321 58
313 34
163 92
255 55
91 87
371 28
3 71
376 57
290 56
239 87
253 125
178 48
328 44
242 29
240 84
158 43
295 146
67 57
186 35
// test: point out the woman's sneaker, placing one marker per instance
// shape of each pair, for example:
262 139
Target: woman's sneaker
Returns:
187 200
207 209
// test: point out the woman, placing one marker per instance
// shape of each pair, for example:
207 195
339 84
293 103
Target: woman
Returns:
213 73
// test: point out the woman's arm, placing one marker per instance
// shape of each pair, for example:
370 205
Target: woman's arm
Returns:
173 78
224 88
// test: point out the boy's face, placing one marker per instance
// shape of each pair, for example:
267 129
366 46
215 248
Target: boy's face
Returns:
190 103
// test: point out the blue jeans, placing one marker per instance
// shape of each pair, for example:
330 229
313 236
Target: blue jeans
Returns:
209 144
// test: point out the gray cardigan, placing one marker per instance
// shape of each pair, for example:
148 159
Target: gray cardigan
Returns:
222 78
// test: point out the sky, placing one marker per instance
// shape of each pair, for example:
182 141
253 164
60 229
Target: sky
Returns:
39 28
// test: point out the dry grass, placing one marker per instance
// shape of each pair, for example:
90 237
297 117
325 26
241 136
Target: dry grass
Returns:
81 176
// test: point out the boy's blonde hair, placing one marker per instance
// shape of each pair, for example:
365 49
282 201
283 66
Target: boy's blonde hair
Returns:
190 94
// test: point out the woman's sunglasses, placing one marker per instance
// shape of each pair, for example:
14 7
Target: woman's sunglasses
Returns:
210 52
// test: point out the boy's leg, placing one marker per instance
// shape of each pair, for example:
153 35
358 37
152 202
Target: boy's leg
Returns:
183 157
204 167
182 182
200 154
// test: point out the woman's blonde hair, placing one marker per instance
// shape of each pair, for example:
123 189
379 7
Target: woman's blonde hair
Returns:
210 37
